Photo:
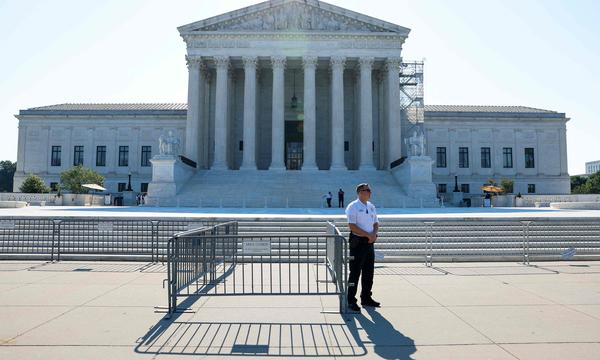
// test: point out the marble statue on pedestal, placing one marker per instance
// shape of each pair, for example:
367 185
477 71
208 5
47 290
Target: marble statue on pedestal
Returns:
169 145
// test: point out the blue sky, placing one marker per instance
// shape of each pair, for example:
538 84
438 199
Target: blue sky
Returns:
535 53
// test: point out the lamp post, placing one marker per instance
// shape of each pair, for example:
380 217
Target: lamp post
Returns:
129 182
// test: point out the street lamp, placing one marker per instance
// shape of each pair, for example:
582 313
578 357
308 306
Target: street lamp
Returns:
129 183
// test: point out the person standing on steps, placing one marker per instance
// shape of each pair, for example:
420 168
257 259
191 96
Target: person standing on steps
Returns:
341 198
328 198
363 224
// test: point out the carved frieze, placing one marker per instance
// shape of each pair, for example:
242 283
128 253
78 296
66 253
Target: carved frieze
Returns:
294 17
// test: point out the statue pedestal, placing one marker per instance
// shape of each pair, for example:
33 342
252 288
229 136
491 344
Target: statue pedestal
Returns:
457 198
414 175
168 176
129 198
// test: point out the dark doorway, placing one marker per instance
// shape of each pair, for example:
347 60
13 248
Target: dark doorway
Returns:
294 148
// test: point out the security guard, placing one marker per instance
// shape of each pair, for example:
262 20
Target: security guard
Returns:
363 224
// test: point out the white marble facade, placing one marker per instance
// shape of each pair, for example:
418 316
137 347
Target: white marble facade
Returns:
245 67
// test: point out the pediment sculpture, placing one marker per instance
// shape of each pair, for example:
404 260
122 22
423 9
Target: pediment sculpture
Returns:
294 17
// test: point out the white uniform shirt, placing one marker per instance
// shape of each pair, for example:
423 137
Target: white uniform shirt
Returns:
363 216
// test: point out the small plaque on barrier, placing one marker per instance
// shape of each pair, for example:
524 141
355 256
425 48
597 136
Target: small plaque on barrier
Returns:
7 224
105 226
257 247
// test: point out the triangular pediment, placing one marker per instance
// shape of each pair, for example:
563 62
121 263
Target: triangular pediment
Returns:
293 16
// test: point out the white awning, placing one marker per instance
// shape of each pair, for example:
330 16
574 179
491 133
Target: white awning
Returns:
94 187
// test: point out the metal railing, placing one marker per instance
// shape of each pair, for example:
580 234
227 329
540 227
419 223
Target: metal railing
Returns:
523 240
217 261
95 239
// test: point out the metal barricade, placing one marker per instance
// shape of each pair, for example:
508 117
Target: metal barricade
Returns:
216 261
90 238
28 238
110 239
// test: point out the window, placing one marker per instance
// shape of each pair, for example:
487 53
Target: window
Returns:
486 158
78 155
507 158
53 186
144 187
121 187
465 188
123 155
146 155
441 157
531 188
463 157
442 188
100 155
529 158
55 160
346 146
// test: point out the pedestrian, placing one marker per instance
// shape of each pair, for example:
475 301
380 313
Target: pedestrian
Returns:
328 197
341 198
363 224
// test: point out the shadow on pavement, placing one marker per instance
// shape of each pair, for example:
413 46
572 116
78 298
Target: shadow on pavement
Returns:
388 343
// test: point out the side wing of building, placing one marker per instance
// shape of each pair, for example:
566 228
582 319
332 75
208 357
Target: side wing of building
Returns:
478 143
112 139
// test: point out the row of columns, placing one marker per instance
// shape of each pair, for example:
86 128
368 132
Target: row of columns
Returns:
309 63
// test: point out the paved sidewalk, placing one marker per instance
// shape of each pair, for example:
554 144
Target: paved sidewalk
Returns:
99 310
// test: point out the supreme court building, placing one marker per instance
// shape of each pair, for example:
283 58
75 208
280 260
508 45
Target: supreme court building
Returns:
302 87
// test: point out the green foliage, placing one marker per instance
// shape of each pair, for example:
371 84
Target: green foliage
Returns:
7 171
577 181
591 185
507 185
34 184
491 182
72 179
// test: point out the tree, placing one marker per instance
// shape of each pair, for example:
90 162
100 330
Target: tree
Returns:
592 185
507 185
7 172
34 184
72 179
576 182
491 182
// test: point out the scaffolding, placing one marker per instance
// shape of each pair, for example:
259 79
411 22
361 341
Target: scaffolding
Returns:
411 93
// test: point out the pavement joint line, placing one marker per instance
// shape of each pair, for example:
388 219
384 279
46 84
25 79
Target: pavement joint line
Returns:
329 346
456 315
68 311
555 303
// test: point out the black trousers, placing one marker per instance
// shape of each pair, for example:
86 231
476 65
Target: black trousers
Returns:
328 202
363 263
340 202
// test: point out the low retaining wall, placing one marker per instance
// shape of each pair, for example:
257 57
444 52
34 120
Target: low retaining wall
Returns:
576 205
12 204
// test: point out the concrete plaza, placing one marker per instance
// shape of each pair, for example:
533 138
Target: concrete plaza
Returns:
101 310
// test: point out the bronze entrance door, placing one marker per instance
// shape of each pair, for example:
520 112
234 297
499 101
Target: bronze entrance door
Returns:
294 148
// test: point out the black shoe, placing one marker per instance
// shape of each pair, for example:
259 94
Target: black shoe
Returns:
370 302
354 307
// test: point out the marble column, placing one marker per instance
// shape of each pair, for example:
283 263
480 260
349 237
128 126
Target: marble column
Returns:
249 154
337 112
192 123
394 136
278 121
221 107
366 114
310 120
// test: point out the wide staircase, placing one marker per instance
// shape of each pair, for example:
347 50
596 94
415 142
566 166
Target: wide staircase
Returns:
290 189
